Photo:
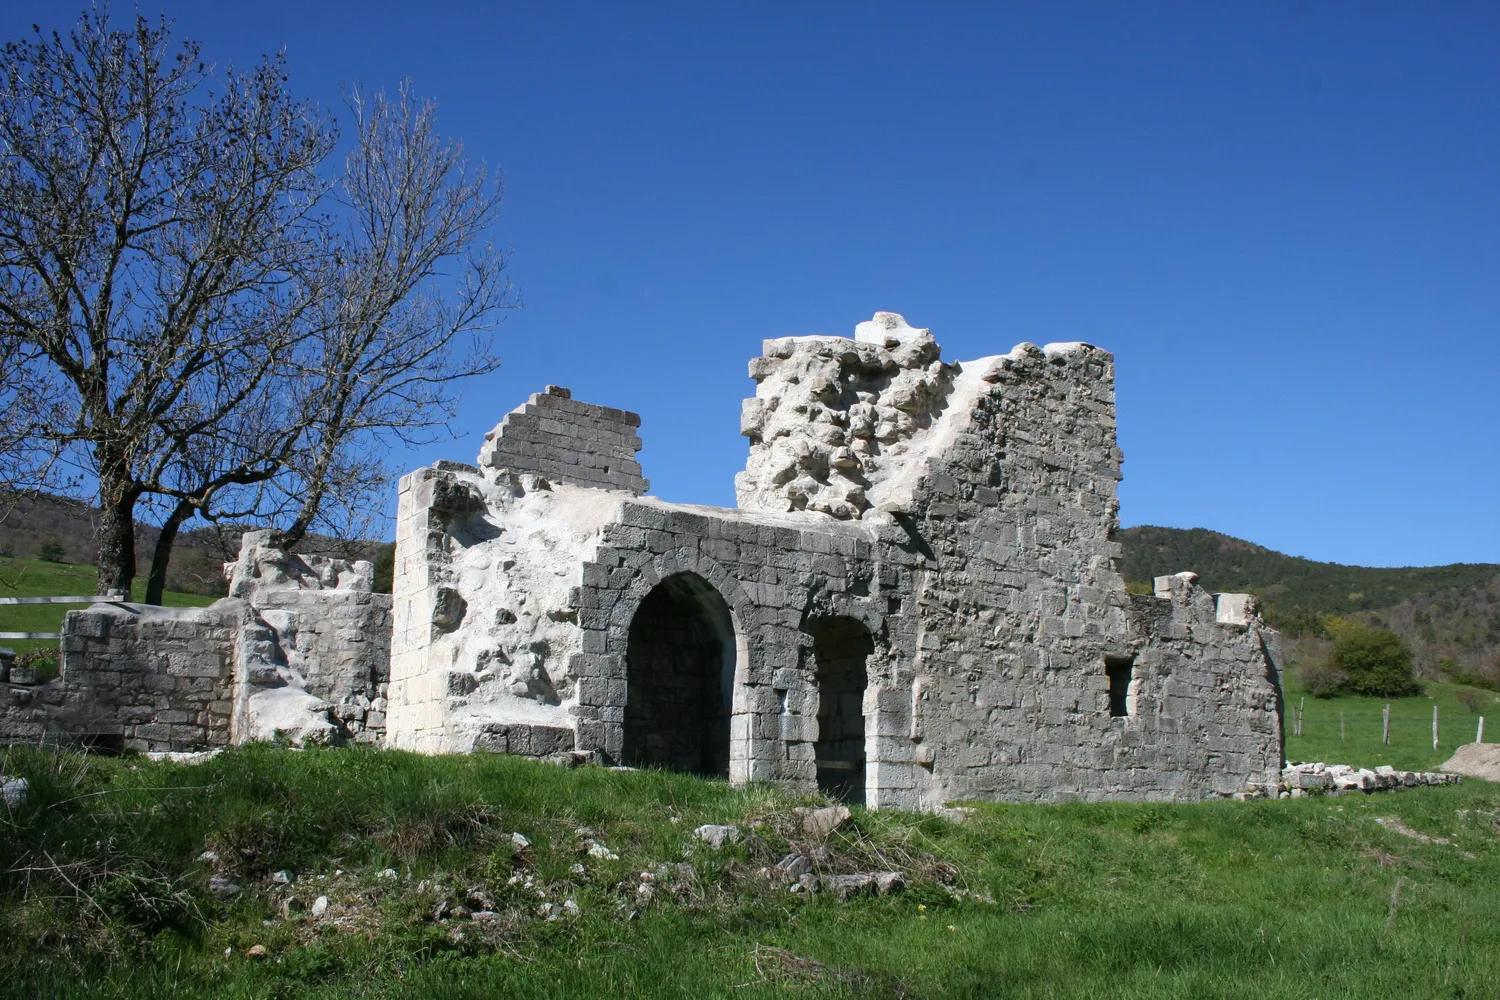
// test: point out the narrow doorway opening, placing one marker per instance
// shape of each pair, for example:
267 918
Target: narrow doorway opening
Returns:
680 679
841 647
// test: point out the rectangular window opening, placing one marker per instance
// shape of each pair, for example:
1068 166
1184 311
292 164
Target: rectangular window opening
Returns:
1119 670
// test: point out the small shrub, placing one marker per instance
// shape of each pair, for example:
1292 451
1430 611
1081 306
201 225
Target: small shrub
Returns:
51 549
1321 679
1474 701
1376 661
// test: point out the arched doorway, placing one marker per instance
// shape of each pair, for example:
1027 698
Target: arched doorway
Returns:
679 683
840 648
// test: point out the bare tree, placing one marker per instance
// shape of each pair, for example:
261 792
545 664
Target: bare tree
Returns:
234 336
153 238
404 300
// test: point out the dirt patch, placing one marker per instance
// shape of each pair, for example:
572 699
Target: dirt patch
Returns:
1476 760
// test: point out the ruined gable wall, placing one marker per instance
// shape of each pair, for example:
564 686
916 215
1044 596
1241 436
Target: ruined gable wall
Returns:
1020 603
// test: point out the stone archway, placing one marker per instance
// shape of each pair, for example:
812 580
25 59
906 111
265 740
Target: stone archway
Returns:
679 679
841 647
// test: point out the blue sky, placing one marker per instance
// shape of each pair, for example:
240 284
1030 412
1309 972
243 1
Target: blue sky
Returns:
1283 219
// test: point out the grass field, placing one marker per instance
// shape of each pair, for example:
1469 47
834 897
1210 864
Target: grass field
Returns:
35 578
1411 727
105 894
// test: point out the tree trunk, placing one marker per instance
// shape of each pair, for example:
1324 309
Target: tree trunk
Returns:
156 583
116 536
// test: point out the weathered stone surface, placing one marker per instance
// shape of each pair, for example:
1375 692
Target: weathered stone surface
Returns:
916 601
302 650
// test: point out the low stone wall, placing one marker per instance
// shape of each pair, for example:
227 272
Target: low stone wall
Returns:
134 677
301 649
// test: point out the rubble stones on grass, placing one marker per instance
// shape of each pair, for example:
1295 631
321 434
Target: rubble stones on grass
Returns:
716 836
1318 778
847 887
817 823
219 885
320 906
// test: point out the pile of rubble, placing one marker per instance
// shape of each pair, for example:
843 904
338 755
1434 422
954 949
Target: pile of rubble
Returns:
1319 778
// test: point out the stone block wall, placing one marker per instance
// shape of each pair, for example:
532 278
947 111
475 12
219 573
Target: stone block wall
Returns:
951 523
134 677
558 437
302 649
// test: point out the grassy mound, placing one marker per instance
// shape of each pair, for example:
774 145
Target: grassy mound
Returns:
117 874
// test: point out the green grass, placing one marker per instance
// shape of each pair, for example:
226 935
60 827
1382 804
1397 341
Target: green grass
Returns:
1411 727
103 895
35 578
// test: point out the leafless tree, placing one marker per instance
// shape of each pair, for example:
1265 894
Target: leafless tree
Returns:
233 334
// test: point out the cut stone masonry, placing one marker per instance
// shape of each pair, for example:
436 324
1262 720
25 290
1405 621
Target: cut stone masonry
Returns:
917 600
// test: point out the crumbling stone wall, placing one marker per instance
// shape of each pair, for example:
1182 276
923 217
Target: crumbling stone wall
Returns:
300 648
558 437
956 518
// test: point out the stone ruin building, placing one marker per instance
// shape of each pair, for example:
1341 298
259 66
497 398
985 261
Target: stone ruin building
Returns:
916 600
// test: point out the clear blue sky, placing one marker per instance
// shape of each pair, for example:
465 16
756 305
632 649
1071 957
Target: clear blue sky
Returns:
1283 219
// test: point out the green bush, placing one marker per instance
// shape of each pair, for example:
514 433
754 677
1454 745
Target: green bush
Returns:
51 550
1459 674
1322 680
1375 661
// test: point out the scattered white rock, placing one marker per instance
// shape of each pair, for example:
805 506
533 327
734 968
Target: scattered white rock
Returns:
320 906
387 873
716 836
281 878
818 823
520 841
183 756
13 791
1317 778
221 886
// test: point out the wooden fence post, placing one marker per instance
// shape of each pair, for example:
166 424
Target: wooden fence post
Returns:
1479 737
1434 728
1341 726
1385 726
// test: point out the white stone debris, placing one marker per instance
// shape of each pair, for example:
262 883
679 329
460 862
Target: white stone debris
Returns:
716 836
13 792
320 906
1476 760
1318 778
220 885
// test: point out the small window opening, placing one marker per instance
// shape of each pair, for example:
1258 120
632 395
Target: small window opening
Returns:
1119 670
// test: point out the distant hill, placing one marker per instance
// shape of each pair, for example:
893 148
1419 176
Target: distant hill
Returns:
197 556
1443 611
